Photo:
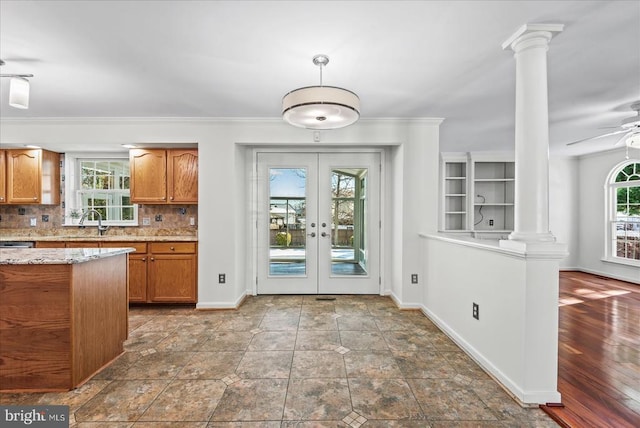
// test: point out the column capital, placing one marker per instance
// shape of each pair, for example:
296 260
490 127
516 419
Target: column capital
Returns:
527 31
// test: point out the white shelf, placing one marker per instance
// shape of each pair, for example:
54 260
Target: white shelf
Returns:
477 188
494 204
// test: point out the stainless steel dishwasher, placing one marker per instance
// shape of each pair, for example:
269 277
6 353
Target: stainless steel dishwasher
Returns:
17 244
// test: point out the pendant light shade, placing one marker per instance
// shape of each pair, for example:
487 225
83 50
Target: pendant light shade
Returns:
19 93
321 107
18 89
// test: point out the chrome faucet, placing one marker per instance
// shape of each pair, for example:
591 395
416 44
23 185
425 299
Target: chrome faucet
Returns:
101 229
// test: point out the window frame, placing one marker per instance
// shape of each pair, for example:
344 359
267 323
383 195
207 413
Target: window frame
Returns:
73 186
611 202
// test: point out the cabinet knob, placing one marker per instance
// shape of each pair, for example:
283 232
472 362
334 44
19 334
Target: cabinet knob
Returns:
144 259
171 198
152 259
172 248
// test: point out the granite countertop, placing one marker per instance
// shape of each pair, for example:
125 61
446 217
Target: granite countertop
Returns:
96 238
56 256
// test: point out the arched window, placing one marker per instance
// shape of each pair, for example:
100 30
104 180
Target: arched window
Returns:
623 209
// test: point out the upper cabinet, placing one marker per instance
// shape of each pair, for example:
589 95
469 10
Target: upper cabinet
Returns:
160 176
32 177
182 176
3 177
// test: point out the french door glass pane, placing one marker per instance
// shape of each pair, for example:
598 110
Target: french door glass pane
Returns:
348 255
287 216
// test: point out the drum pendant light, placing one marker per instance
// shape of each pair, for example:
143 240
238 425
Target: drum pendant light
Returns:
321 107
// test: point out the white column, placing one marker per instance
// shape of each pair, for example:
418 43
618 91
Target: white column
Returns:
530 44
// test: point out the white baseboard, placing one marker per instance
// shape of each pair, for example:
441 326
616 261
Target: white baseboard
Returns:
608 275
223 305
526 398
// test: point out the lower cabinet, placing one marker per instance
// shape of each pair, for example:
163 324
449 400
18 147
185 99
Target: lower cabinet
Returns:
172 271
161 272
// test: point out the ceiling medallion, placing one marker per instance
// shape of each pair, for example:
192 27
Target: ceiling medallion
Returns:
321 107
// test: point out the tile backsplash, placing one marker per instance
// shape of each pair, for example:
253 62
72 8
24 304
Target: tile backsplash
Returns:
50 217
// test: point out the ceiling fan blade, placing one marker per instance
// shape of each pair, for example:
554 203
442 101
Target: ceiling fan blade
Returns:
597 137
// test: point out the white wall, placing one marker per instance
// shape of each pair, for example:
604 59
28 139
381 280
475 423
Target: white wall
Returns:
515 337
593 172
225 214
563 206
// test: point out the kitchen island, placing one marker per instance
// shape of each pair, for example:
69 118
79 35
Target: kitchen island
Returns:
63 315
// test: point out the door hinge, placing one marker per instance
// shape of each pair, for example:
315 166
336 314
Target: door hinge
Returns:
256 280
379 280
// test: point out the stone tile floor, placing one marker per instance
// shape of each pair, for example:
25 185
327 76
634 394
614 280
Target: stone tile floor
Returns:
289 361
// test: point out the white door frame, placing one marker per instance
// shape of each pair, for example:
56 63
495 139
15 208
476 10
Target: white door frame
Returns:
306 149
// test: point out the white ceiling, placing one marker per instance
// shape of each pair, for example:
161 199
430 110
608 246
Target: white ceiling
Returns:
404 59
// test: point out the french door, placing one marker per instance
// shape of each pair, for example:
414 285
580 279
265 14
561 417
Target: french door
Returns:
318 223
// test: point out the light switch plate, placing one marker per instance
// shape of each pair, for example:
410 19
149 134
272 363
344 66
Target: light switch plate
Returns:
33 221
146 221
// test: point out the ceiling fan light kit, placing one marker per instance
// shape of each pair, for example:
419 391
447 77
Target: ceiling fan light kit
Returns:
18 89
321 107
630 126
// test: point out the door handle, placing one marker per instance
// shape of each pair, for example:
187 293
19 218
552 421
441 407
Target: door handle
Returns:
312 234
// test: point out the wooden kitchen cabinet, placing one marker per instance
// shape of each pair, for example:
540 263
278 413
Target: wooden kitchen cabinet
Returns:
50 244
158 272
148 169
182 176
172 270
32 177
137 269
3 176
161 176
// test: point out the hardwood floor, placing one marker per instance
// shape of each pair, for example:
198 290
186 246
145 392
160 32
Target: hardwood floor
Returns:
599 352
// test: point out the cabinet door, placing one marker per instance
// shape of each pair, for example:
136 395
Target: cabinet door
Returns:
137 277
148 175
50 244
23 176
182 176
137 268
3 177
172 278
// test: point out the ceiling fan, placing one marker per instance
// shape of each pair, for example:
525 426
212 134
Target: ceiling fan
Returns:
630 127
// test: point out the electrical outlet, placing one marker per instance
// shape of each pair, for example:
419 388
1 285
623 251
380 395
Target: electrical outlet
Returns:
491 222
158 217
45 218
414 278
146 221
32 221
222 278
476 311
192 221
